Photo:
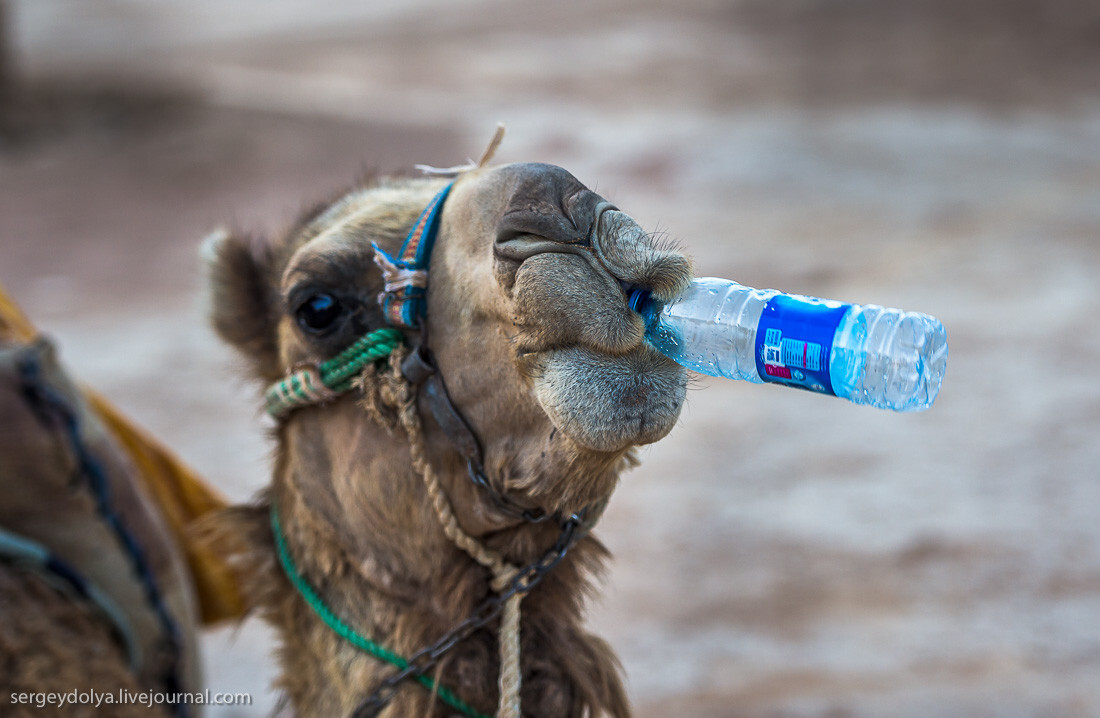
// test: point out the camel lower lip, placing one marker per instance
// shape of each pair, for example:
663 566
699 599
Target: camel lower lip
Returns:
610 403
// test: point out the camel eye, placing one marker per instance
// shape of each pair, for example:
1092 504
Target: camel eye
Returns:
319 313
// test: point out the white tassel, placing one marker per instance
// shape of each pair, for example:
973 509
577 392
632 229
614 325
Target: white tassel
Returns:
486 158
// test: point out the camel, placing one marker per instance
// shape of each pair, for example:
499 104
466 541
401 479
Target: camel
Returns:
97 606
471 455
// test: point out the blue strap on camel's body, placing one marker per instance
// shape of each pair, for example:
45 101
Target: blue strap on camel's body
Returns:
403 300
27 552
45 398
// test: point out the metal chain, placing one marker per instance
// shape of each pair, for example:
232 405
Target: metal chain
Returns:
426 658
500 501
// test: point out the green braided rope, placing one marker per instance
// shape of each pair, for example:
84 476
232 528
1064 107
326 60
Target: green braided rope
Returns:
348 633
337 374
348 363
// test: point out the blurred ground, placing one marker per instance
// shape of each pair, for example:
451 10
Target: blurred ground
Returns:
780 554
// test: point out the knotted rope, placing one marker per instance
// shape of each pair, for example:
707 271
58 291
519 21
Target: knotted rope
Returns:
389 398
397 389
324 382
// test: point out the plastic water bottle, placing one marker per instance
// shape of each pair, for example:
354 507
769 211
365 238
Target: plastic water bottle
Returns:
871 355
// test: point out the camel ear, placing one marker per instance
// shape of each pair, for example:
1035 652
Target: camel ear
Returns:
243 300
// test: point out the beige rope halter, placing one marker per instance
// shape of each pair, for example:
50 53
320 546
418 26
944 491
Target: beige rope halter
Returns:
396 390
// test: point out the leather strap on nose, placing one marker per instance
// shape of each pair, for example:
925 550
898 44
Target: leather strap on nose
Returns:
420 370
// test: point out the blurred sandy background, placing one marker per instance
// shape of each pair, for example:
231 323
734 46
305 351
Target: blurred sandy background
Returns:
780 554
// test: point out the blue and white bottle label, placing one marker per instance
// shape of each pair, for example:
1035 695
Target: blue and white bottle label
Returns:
794 340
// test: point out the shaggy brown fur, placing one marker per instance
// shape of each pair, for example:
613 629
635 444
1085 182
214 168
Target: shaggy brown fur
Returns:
53 643
51 639
530 328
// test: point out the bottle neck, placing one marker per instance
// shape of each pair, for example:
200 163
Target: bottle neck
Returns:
642 302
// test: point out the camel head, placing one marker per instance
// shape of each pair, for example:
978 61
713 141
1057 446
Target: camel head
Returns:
532 274
527 317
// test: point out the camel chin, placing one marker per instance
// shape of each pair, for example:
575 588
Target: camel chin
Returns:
610 403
